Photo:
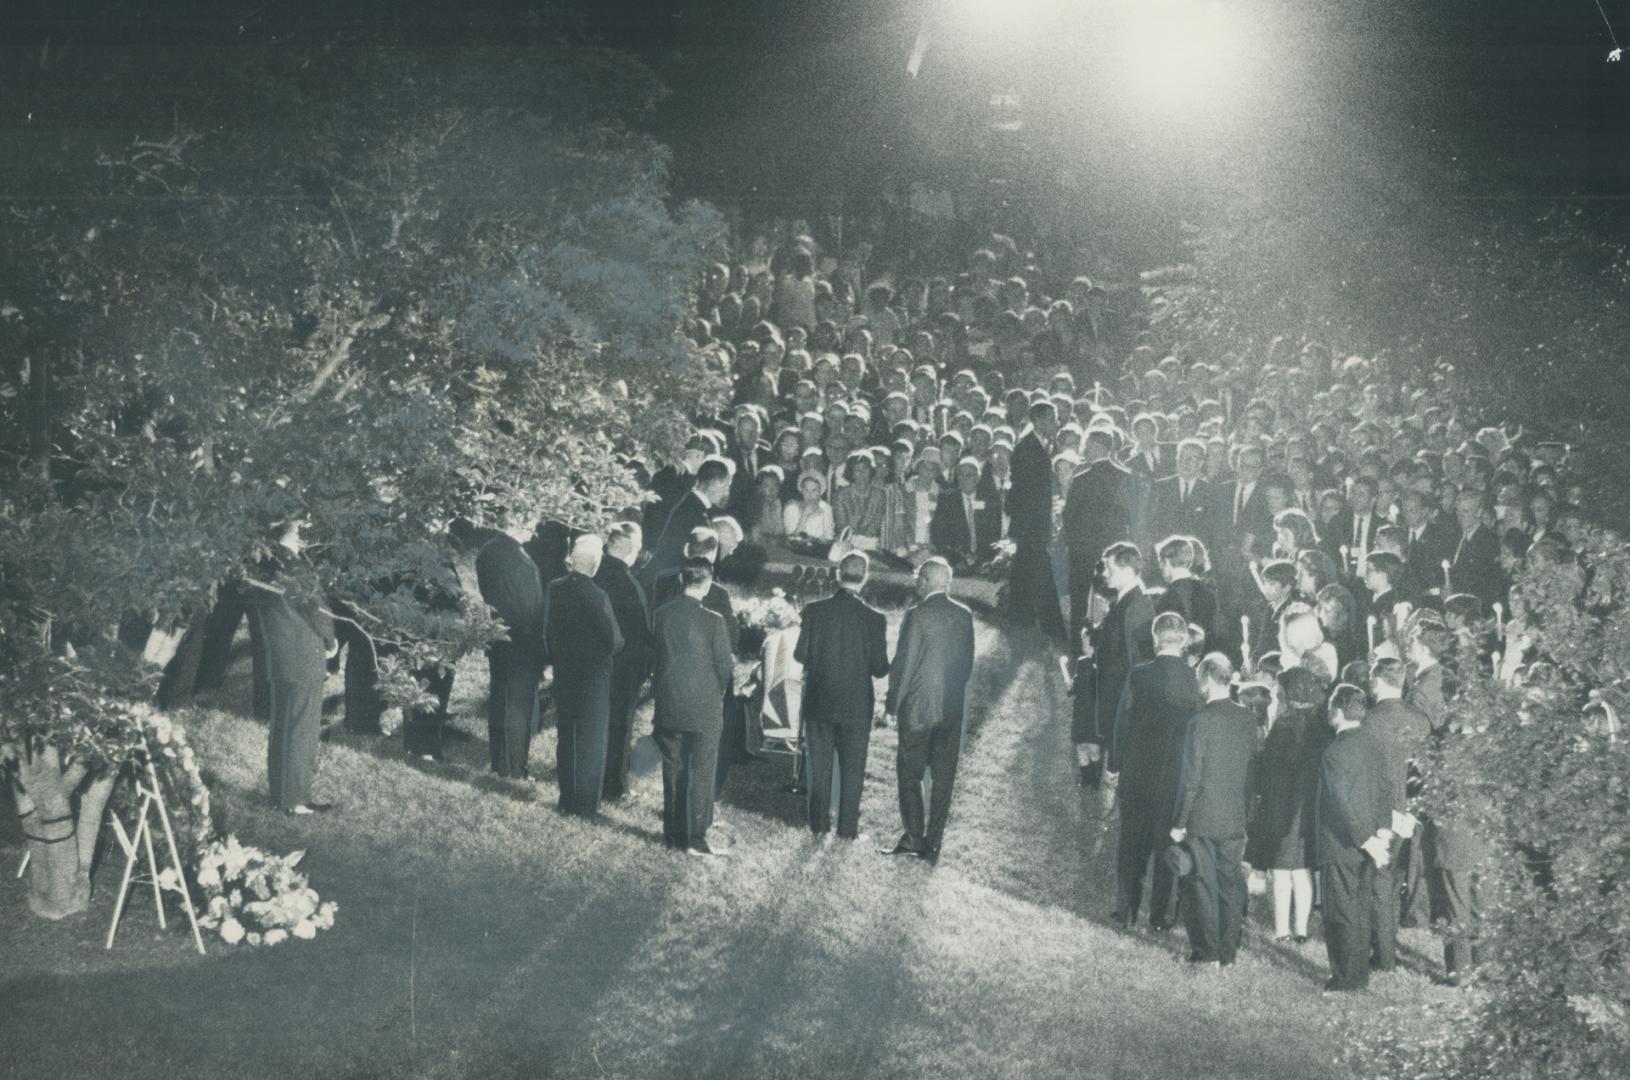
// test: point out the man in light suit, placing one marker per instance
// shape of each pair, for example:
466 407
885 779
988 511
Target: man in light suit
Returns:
693 672
927 695
582 637
842 646
1213 795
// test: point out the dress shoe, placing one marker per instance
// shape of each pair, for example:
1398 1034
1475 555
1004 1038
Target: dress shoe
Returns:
302 809
906 846
1300 939
1159 926
701 849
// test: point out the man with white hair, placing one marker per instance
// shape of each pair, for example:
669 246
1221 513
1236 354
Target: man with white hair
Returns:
928 685
581 636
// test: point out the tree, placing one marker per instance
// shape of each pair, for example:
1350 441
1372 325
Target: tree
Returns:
368 287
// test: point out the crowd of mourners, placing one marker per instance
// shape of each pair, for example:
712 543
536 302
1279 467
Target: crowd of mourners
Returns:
1255 574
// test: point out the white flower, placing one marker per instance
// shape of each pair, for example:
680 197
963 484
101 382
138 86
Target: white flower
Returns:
275 937
209 877
169 880
254 938
232 931
305 929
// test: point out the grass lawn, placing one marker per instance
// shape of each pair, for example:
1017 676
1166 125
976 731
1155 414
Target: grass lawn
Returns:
481 933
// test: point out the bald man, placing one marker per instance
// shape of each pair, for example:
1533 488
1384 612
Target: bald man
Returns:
581 635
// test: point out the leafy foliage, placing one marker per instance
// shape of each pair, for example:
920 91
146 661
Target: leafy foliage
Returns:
368 288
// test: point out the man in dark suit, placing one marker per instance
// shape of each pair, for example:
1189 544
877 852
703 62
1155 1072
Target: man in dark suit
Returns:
692 511
629 667
842 646
1184 503
582 637
669 485
510 585
1212 798
1122 641
1353 831
1095 516
1031 590
1245 513
1402 733
928 684
1153 717
1146 463
965 524
1475 562
1354 528
748 453
692 674
1430 538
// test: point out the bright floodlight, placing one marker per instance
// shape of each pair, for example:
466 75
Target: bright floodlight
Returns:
1185 57
1009 18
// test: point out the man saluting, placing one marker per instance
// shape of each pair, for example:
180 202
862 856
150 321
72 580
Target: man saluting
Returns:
927 694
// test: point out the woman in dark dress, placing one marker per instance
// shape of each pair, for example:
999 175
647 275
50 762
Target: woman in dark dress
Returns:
1338 615
1281 833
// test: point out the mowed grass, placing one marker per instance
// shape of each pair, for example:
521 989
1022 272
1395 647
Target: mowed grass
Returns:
481 933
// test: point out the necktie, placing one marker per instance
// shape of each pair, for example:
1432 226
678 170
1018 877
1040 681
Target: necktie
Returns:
973 531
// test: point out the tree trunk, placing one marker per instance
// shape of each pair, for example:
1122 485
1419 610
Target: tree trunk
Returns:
61 843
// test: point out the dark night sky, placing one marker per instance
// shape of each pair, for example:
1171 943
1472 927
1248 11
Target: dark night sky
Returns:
799 96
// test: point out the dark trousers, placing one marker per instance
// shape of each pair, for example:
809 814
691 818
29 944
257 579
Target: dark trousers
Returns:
291 750
582 714
1144 825
1081 583
1214 897
732 740
220 627
688 759
847 743
1410 877
932 750
363 703
1457 894
1031 591
175 689
424 729
1383 953
626 680
1347 889
512 705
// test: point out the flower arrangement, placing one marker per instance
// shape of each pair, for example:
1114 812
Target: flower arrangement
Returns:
253 896
772 612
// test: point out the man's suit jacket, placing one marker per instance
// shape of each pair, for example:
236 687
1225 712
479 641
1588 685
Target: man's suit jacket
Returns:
1214 776
1424 693
1119 643
1153 717
948 528
933 661
668 589
689 512
669 485
1339 534
1194 516
1030 500
1196 600
1402 732
1476 567
1423 557
633 612
510 585
1354 797
1254 518
744 500
842 645
1096 513
580 629
693 667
